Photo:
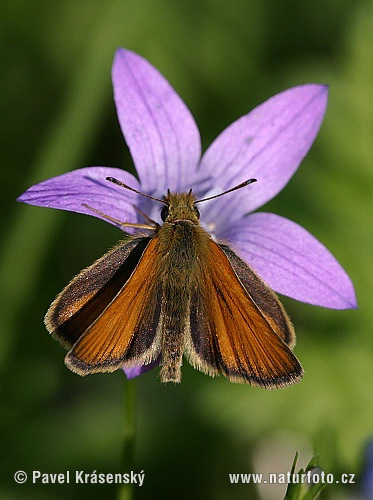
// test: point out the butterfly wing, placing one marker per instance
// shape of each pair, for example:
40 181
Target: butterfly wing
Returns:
90 292
229 333
264 297
126 332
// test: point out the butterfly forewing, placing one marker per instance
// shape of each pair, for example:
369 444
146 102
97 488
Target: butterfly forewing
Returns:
238 340
264 297
125 332
90 292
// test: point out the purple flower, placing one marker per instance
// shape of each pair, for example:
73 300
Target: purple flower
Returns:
367 479
268 144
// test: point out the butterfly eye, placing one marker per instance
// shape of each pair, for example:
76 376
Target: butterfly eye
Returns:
164 213
197 212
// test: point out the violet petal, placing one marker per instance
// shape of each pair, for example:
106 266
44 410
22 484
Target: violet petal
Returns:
292 261
158 127
267 144
138 370
367 479
87 185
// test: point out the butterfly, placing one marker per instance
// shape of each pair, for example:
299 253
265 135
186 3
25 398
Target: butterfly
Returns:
171 294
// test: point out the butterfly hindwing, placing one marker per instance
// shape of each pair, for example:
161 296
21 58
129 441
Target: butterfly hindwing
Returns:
200 346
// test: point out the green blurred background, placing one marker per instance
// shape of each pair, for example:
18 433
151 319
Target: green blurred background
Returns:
57 114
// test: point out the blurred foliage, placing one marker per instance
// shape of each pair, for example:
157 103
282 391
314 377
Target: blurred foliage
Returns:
57 114
309 488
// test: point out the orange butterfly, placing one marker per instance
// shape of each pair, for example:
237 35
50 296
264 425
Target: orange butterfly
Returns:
175 293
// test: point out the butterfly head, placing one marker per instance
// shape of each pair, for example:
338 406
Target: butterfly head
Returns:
180 207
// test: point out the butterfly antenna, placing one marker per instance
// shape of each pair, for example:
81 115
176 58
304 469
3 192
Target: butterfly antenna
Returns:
119 183
243 184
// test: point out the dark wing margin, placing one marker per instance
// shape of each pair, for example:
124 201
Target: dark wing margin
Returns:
89 293
228 333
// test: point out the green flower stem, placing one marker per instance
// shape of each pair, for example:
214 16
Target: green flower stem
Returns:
125 492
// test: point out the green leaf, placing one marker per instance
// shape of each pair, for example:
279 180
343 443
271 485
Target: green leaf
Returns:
301 490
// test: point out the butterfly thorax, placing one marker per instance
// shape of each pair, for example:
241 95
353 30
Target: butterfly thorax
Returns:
182 242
